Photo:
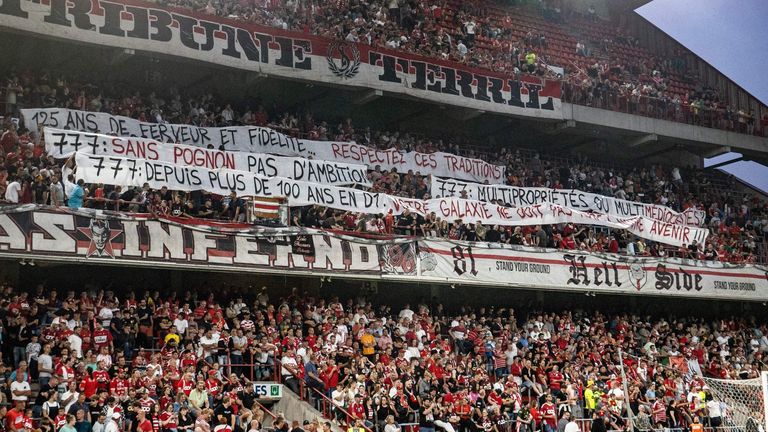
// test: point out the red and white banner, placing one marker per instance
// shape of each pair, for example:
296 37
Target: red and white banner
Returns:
114 238
517 196
149 27
504 265
102 237
63 144
255 140
131 172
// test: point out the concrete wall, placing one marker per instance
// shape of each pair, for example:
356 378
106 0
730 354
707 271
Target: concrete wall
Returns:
664 128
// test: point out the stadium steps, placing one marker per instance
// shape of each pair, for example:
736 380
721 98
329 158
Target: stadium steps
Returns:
291 407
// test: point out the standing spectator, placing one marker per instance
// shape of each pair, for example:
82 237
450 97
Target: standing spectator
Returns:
530 62
312 378
70 425
394 11
549 415
56 191
20 390
461 49
235 210
113 423
144 424
13 190
45 368
290 370
470 27
33 352
75 198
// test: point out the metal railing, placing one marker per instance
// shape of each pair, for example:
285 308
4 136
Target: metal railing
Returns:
663 109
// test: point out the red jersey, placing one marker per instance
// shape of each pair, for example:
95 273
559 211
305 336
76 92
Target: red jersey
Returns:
102 338
14 419
48 335
65 373
60 420
89 386
85 335
357 410
659 412
549 414
555 379
213 386
119 387
146 404
463 410
169 419
331 377
186 386
145 426
102 378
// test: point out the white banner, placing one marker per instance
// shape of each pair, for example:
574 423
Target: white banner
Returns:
131 172
585 201
472 211
265 140
504 265
64 143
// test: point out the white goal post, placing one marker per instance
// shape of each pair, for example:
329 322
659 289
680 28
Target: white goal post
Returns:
764 387
744 402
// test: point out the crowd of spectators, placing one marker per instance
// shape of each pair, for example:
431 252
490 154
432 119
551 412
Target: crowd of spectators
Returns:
30 176
156 361
608 70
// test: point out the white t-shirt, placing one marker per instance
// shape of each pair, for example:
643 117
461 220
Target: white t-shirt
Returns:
713 407
213 340
337 396
461 48
76 343
288 361
105 315
72 396
111 426
572 426
45 361
391 428
12 192
406 313
19 386
341 331
106 358
412 352
181 325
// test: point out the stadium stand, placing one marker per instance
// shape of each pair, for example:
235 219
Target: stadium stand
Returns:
736 223
138 333
606 68
175 357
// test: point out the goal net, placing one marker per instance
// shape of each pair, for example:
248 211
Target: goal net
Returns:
743 402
